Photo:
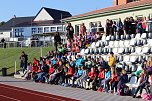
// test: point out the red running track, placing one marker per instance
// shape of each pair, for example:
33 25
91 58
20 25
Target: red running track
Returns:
11 93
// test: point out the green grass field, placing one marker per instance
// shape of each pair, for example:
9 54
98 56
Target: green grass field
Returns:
8 57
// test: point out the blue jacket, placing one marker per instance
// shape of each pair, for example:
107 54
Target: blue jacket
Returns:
79 62
107 75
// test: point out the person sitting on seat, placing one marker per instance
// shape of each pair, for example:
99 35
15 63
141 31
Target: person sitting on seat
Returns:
144 81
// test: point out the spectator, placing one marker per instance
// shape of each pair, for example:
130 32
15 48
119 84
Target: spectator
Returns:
70 31
82 78
57 39
127 26
143 83
112 62
144 24
77 75
23 61
82 29
122 78
92 76
106 86
132 26
120 27
114 81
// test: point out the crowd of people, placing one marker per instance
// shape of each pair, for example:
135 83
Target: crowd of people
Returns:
58 67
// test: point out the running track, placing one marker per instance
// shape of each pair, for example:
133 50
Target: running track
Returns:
10 93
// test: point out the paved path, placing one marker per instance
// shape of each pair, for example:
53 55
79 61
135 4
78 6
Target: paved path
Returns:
74 93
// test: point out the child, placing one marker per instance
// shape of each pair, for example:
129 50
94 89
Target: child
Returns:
101 76
107 79
92 76
114 81
68 75
143 83
77 75
83 77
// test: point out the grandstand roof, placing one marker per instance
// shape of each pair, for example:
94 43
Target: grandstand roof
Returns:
113 9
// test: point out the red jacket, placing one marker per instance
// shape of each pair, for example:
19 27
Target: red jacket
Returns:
101 75
115 78
51 71
34 69
92 75
70 71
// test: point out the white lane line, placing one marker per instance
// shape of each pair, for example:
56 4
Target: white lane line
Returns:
33 93
10 98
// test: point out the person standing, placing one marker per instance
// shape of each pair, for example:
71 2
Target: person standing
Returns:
23 59
70 31
120 27
112 62
57 39
82 29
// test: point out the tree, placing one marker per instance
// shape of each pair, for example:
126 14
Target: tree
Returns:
2 23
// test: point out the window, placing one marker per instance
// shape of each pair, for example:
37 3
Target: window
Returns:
53 29
18 32
59 28
140 17
34 30
77 29
46 29
40 30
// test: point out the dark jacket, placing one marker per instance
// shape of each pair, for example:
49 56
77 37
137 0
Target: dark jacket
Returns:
57 38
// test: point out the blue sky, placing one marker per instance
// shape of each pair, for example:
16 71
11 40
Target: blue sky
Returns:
8 8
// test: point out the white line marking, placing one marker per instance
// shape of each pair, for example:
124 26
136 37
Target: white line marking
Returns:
10 98
33 93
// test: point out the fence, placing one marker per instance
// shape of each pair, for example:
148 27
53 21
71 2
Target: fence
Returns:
32 43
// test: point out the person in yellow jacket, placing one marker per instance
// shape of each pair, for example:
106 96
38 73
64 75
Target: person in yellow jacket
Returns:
112 61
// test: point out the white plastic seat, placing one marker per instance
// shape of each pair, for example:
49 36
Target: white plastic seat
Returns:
133 59
133 42
116 43
96 50
106 43
126 59
86 51
139 43
82 52
127 37
93 45
133 80
104 57
100 50
115 50
111 43
145 50
98 44
132 36
107 38
138 36
150 35
150 42
121 43
103 38
126 43
144 36
138 50
121 50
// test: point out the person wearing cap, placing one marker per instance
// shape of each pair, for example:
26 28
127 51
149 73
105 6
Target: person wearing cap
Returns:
112 61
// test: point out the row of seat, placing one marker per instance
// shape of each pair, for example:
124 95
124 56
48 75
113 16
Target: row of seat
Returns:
116 51
127 37
127 59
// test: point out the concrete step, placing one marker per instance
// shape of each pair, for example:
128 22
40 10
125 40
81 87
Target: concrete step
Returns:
18 76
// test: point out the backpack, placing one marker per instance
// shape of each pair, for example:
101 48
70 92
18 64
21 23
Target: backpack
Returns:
124 90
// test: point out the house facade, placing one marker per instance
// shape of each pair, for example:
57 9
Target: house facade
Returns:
41 27
120 9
